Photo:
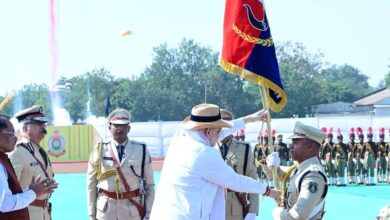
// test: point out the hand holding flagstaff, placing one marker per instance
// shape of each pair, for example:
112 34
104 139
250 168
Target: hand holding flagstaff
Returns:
257 116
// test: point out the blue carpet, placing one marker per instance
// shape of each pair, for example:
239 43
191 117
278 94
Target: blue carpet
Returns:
351 202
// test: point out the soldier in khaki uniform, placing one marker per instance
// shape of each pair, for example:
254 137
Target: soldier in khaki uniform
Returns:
30 160
360 170
369 151
125 192
305 195
341 151
259 155
352 157
284 153
381 158
239 156
330 156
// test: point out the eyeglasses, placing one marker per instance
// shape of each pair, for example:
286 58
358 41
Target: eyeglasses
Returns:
11 134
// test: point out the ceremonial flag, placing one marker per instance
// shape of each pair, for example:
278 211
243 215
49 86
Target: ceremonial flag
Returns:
248 49
107 106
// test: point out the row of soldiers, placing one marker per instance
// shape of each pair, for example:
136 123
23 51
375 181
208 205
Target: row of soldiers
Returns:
359 159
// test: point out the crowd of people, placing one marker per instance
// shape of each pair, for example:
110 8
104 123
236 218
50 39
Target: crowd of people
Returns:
361 162
207 173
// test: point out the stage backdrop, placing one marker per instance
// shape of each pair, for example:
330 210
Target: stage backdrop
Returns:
70 143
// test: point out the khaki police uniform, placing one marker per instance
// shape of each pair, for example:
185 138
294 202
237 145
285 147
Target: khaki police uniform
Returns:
107 197
235 159
307 188
26 169
30 161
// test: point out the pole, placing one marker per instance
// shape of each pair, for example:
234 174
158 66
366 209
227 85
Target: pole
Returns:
263 93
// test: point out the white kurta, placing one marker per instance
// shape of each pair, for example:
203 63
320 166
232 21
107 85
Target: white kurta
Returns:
11 202
194 177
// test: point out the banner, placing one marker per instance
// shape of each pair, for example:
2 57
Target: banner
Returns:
248 49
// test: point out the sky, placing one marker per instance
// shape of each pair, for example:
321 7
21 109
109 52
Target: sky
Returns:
40 43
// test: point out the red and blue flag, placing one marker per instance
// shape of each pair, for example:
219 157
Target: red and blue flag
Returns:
249 51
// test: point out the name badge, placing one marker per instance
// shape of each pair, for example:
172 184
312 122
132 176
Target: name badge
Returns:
34 164
107 158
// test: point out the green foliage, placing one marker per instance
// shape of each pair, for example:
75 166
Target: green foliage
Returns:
179 78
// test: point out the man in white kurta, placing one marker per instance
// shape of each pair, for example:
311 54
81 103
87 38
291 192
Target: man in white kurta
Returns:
195 176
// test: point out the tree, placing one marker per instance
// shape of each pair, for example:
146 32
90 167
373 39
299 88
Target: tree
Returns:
344 83
300 74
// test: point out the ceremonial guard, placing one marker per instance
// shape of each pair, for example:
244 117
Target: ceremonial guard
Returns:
259 156
330 157
307 187
387 150
239 156
341 152
352 160
30 160
120 182
283 150
369 152
267 151
360 169
381 157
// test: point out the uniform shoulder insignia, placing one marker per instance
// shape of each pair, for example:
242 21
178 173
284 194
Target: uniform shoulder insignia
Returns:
313 187
137 142
242 142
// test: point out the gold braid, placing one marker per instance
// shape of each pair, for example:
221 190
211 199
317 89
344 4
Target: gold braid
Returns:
286 179
108 173
263 42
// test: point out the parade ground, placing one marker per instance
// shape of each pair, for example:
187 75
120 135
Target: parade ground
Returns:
351 202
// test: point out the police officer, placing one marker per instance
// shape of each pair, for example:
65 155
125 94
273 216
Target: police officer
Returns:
283 151
381 158
30 160
369 151
120 181
14 199
239 156
305 195
352 157
341 152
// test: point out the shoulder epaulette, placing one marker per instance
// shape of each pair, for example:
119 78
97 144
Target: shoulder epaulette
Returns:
137 142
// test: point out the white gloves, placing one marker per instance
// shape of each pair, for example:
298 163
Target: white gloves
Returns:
362 161
273 160
250 216
276 213
354 160
333 162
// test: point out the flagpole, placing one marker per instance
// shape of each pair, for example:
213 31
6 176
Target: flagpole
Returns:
263 94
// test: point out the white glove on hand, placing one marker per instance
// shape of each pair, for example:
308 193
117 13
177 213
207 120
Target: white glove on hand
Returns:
273 160
354 160
250 216
276 213
362 162
333 162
